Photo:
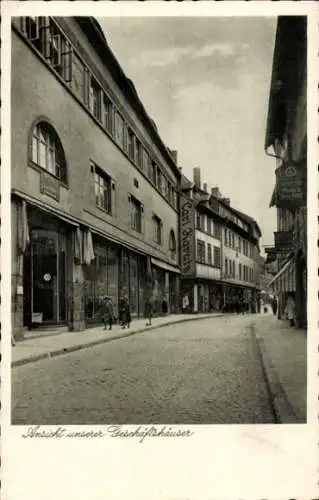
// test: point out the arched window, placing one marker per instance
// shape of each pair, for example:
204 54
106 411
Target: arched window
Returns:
172 244
47 151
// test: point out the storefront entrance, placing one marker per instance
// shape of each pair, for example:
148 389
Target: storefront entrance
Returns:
44 277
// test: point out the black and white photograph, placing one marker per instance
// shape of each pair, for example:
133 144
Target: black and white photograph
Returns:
158 215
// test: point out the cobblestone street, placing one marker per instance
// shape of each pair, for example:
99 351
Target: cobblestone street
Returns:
195 373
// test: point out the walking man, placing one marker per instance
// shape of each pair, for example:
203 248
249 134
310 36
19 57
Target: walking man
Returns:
107 313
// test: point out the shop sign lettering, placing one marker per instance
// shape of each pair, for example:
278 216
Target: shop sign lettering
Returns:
187 236
290 186
49 185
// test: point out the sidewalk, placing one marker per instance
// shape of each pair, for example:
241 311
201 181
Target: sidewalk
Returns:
36 348
284 356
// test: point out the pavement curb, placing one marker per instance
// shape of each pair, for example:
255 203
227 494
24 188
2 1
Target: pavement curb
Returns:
80 346
281 407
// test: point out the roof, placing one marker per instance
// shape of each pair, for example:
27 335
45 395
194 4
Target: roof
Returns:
288 71
96 37
249 220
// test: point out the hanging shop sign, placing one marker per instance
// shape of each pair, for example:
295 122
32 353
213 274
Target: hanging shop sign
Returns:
187 236
290 186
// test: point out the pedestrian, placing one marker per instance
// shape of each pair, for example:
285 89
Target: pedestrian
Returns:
291 310
148 311
274 305
164 306
125 314
107 312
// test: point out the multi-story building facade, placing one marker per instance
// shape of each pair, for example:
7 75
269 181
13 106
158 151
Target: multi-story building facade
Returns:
94 188
287 135
219 250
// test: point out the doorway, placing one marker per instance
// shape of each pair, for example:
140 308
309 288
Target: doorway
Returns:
45 278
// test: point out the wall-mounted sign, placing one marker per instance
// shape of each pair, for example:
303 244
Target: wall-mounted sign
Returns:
290 186
187 236
49 185
47 277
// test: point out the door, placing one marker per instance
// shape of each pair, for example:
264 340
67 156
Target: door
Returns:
45 278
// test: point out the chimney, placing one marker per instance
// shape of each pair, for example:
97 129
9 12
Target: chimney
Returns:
196 177
226 201
215 192
174 155
205 187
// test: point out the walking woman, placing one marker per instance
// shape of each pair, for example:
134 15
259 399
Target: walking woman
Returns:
107 313
125 314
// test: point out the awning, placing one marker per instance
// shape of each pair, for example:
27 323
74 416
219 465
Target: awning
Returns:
46 208
285 279
164 265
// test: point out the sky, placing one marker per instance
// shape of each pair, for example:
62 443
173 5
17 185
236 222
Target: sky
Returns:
205 82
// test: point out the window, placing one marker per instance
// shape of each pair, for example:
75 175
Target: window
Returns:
159 180
108 114
95 99
146 164
217 229
240 277
201 258
172 244
216 256
239 243
153 178
165 187
233 240
174 196
209 225
198 221
131 144
119 129
157 228
138 153
202 222
47 38
225 236
136 210
102 188
226 266
169 192
209 254
47 151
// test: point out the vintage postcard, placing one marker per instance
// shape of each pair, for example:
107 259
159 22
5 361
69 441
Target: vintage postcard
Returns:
159 227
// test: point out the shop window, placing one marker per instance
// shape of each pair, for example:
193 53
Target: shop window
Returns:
172 244
47 151
95 94
136 213
103 187
157 230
